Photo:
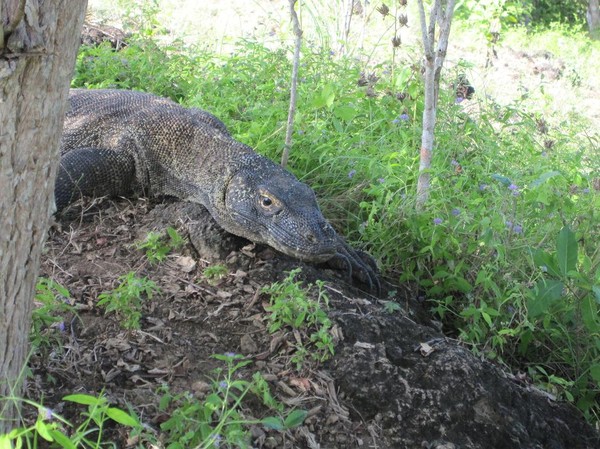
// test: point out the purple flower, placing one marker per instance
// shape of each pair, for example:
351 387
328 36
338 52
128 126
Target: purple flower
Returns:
404 117
437 221
382 180
514 227
223 384
454 162
514 188
483 187
229 355
459 100
456 212
351 174
61 326
586 190
48 413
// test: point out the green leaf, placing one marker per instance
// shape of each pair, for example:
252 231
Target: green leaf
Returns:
546 292
503 179
595 372
543 259
596 290
272 422
5 442
122 417
62 439
401 78
566 250
589 314
325 97
345 113
42 429
544 177
84 399
295 418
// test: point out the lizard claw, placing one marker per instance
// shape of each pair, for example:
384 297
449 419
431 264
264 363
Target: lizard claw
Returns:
357 265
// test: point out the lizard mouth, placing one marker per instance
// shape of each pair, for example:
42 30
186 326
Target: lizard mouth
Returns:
308 248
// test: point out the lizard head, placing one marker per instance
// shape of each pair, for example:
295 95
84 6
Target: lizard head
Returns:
271 206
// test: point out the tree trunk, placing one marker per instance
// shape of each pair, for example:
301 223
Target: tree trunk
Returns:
38 45
441 12
593 18
294 85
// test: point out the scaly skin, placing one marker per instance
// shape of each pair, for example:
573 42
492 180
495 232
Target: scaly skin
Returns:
115 142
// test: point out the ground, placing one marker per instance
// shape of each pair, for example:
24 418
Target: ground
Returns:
395 381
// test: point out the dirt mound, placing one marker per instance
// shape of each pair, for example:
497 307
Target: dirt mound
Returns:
395 381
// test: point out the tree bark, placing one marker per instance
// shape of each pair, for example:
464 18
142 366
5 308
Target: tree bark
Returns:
293 85
37 55
434 60
593 18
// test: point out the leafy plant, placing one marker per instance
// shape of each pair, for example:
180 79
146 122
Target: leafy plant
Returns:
563 310
215 272
52 303
290 306
56 430
126 299
391 306
217 421
157 246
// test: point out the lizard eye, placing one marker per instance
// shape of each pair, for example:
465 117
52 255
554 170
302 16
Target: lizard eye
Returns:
265 201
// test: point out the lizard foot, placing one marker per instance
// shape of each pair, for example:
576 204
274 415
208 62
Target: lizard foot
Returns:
357 265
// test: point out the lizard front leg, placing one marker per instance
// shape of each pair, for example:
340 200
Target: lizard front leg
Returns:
93 172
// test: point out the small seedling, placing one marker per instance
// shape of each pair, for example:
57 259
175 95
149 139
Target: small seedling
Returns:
391 306
52 301
126 299
157 246
214 273
290 306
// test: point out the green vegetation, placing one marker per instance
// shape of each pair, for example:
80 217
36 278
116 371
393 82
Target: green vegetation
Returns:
126 299
157 246
290 306
52 428
217 421
215 272
516 190
51 304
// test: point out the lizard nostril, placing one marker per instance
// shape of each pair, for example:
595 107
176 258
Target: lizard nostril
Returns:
311 237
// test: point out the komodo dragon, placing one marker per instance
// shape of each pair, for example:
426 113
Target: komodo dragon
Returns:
115 142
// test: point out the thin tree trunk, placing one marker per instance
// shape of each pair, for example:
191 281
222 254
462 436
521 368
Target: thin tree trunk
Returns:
434 60
36 64
293 88
593 18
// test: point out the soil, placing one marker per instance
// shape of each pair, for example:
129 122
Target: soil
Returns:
394 382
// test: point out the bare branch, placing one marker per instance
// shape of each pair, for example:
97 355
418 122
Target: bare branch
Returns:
427 46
